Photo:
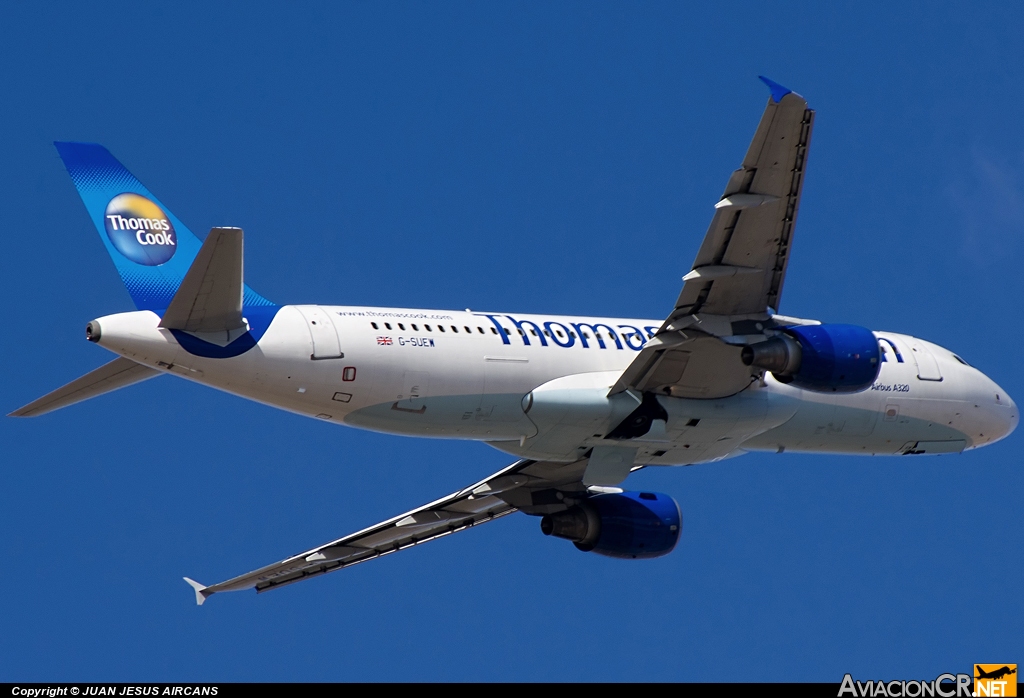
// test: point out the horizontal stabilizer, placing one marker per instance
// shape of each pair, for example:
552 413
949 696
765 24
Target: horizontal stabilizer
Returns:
118 373
210 296
199 589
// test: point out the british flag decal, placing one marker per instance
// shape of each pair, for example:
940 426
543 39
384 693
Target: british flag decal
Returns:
384 341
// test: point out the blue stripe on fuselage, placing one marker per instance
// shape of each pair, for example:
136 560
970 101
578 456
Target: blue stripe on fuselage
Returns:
259 319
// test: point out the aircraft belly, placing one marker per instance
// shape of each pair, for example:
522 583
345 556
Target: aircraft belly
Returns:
722 425
871 422
696 430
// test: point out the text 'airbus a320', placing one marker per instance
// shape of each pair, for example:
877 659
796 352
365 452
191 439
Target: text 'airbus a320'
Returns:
580 402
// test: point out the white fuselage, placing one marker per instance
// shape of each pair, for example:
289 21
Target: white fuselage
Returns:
536 386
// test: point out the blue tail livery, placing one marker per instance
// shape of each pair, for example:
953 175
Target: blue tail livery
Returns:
151 248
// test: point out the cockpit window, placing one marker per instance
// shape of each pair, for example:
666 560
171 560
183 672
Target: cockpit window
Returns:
960 360
882 342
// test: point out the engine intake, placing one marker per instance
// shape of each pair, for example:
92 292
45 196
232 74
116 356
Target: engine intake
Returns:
823 358
626 525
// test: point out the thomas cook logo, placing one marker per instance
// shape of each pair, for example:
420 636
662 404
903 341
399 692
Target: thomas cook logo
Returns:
139 229
995 680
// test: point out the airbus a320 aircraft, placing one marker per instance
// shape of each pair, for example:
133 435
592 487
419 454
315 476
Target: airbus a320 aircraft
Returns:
580 402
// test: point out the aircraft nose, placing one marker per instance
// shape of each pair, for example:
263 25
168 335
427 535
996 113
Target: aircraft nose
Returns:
1004 414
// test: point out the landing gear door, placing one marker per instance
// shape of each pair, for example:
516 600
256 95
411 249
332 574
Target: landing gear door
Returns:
326 344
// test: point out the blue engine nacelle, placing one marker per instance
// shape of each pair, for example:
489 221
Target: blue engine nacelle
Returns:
824 358
628 525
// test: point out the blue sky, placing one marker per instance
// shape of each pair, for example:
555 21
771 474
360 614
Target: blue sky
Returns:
531 157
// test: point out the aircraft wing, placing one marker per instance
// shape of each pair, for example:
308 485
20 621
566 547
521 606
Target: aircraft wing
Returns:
742 262
536 487
730 294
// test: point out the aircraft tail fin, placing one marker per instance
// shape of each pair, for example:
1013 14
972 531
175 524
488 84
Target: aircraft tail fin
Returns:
119 373
150 247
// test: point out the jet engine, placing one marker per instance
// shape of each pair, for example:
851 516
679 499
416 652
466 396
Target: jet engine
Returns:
823 358
629 525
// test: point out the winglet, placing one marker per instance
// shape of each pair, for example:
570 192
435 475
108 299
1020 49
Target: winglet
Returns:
778 91
201 592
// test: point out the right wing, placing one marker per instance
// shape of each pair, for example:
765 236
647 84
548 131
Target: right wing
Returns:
535 487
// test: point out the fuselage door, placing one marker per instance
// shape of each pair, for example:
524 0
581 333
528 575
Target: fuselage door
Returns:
927 366
326 344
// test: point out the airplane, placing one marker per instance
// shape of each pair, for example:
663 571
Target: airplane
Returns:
579 402
994 674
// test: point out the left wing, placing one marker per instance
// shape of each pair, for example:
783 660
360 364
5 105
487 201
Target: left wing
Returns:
535 487
741 265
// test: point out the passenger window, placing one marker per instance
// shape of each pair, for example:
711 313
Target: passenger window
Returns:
572 334
428 328
468 331
401 326
547 333
440 328
507 333
494 331
455 329
533 332
375 325
388 325
521 333
559 333
481 330
586 336
415 329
